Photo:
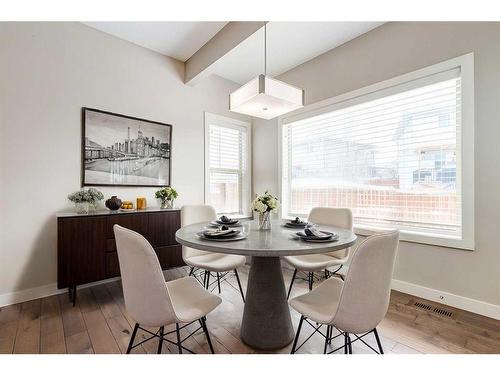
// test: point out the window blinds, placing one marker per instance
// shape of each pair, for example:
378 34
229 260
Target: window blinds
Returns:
392 157
227 164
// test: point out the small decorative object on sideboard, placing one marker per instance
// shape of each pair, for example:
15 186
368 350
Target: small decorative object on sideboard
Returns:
113 203
85 200
141 203
127 206
166 196
264 205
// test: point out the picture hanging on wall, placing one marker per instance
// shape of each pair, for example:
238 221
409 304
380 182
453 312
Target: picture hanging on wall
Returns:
119 150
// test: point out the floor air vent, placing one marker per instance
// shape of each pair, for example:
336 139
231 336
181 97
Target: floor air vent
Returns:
442 312
423 306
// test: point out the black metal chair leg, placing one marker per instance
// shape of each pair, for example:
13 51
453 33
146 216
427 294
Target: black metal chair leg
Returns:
327 274
297 335
378 341
311 280
218 281
205 279
132 338
349 343
327 338
346 345
291 283
203 322
161 340
239 285
208 279
179 344
191 271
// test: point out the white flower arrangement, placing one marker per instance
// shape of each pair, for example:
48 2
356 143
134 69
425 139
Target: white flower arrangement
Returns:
265 203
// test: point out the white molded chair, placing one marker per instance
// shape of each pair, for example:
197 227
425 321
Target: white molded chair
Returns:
357 305
153 302
204 260
335 217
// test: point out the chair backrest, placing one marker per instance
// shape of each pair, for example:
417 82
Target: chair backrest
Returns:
144 288
366 292
335 217
193 214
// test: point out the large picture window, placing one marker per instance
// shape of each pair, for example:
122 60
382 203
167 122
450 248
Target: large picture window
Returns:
394 156
227 169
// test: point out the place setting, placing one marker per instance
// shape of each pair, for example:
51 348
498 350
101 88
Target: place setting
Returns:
222 233
226 221
296 223
313 234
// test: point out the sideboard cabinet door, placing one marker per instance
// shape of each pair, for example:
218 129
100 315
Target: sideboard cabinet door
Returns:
162 227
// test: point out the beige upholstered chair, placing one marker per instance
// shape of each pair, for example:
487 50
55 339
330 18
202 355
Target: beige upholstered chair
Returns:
151 301
358 304
335 217
208 262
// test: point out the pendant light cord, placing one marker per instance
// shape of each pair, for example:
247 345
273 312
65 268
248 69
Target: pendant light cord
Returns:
265 48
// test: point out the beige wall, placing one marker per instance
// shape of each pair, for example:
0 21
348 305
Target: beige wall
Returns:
391 50
48 71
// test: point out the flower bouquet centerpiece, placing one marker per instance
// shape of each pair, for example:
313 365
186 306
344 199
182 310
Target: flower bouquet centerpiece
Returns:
86 200
265 204
166 196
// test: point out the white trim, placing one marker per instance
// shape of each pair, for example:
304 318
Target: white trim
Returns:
464 303
43 291
465 139
246 193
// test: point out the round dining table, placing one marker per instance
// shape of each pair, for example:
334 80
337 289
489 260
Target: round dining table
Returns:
266 323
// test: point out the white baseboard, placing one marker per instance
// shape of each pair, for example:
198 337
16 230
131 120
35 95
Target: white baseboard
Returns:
464 303
42 291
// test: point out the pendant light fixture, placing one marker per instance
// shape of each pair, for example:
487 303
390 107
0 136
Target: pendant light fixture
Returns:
265 97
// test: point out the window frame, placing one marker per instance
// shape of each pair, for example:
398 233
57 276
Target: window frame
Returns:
465 143
245 178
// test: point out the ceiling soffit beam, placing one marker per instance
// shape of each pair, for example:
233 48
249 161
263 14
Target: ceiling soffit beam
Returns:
224 41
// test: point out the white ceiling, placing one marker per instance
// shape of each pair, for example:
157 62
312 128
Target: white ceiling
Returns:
289 44
179 40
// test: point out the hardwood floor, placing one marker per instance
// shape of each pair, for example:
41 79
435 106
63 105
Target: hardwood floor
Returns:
99 324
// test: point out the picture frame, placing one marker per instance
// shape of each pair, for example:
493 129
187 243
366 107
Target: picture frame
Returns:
121 150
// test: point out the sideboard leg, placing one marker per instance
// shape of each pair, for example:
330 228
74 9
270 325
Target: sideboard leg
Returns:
74 295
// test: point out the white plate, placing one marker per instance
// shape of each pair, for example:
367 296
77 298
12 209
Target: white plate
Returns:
332 239
238 237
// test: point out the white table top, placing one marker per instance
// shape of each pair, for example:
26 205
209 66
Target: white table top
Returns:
274 243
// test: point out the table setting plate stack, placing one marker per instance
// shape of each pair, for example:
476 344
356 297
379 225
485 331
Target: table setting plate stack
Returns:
222 229
312 234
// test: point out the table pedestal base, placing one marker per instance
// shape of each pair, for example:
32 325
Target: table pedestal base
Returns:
266 321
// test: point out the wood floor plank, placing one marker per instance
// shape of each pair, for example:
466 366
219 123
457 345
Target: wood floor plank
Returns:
9 320
98 330
73 322
8 331
51 327
28 330
79 343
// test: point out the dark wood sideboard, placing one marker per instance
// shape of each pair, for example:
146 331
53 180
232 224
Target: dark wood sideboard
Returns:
86 249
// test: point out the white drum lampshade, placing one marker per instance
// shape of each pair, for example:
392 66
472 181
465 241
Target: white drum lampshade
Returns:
266 98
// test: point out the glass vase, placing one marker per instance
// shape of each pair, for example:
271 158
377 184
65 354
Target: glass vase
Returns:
265 221
167 204
82 207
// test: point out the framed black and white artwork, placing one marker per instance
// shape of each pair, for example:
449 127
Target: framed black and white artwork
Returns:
121 150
